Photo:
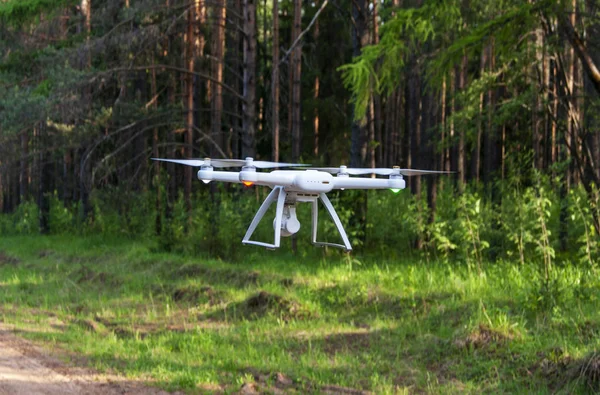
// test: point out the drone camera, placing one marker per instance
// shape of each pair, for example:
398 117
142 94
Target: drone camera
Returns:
289 221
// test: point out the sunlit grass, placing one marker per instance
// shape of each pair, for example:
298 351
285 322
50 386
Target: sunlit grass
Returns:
386 326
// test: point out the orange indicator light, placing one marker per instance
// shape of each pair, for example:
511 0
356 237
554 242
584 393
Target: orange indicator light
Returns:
248 183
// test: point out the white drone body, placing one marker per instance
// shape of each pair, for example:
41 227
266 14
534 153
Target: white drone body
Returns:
297 186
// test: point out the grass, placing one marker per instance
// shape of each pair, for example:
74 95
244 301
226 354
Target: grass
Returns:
303 324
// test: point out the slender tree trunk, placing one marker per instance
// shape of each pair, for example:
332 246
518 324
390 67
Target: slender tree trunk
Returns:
451 162
476 155
171 138
296 68
155 140
490 142
44 180
217 71
316 99
3 207
387 142
24 171
371 131
249 104
442 160
554 128
67 177
2 197
190 56
358 150
275 82
462 81
413 124
377 112
84 177
536 116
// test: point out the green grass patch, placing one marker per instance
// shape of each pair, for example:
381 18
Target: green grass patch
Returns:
276 322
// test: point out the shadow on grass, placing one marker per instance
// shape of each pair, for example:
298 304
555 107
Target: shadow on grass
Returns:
412 357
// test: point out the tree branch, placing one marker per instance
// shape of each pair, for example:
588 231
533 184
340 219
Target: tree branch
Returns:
581 50
295 43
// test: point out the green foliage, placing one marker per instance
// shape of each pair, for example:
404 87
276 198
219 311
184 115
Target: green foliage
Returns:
391 229
23 221
377 68
62 219
582 229
524 225
316 323
17 12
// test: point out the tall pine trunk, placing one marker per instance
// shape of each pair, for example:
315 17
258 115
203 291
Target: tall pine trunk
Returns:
217 72
275 83
296 70
249 82
190 60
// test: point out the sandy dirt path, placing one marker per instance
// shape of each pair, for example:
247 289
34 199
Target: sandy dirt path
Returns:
29 370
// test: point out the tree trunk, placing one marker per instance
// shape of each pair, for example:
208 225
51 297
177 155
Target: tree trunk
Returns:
490 141
442 160
567 26
249 104
190 56
296 69
413 124
155 139
377 113
476 155
462 81
2 194
275 83
316 99
84 180
44 179
358 149
217 71
450 157
24 171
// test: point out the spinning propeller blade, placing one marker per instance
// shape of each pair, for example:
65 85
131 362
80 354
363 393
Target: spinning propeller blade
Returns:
378 171
187 162
261 164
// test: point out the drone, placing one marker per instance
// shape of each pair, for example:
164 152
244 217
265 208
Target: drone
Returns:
303 185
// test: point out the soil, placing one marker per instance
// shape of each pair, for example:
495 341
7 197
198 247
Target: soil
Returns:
27 369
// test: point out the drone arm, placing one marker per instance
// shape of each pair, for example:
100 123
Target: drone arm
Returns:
367 183
275 178
225 176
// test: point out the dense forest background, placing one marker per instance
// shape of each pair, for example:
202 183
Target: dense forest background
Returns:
505 94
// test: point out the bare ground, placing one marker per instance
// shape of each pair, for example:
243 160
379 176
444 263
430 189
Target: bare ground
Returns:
26 369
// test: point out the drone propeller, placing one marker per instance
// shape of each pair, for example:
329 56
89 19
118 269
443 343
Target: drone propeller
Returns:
378 171
261 164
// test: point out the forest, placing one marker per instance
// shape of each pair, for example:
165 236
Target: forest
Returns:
503 95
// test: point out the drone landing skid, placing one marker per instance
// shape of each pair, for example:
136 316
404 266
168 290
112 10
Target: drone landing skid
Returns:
279 194
336 221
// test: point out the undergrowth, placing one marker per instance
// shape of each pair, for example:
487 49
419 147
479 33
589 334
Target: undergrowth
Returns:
316 323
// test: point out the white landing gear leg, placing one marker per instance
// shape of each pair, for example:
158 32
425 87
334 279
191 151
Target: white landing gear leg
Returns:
276 194
336 221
